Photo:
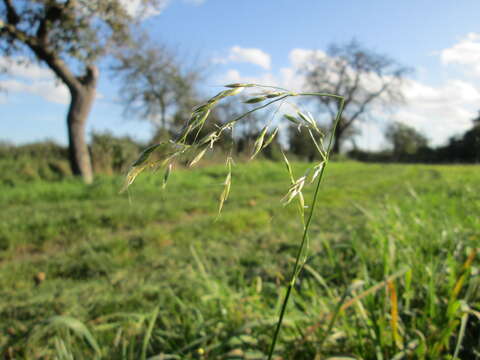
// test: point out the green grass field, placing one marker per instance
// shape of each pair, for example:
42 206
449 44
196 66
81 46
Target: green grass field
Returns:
153 274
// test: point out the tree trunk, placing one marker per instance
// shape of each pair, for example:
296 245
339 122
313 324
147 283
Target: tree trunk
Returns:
82 99
82 88
336 141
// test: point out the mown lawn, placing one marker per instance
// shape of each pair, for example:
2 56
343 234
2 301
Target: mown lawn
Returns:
86 273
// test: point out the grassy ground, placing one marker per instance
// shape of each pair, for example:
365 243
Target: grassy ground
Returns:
86 273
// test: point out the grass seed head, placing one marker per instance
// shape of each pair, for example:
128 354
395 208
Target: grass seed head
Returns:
198 157
255 100
274 94
166 175
239 85
225 93
316 171
226 191
308 119
270 138
259 142
292 119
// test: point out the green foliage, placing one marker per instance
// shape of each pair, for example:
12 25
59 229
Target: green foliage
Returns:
45 160
110 262
464 148
49 161
112 155
77 30
405 140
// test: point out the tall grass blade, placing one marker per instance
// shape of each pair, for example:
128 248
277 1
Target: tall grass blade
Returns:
148 333
461 335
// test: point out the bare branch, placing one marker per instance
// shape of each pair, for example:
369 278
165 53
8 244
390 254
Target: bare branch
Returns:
366 102
12 16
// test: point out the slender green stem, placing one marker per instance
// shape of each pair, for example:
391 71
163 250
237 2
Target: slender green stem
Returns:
297 265
258 108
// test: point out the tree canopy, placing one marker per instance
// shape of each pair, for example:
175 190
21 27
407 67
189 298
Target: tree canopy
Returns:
405 140
69 36
155 85
363 77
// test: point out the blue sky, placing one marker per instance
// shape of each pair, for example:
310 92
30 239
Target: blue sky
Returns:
262 40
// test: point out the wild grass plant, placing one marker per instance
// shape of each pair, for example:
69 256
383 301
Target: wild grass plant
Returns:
267 97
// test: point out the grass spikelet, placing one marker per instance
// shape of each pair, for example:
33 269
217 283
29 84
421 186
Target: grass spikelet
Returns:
138 166
318 146
145 154
255 100
317 169
270 138
309 120
239 85
170 151
289 168
226 186
166 175
292 119
198 157
259 142
225 93
274 94
209 139
295 190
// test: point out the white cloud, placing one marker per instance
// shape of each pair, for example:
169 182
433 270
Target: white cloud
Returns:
20 68
466 53
439 112
33 79
247 55
135 8
47 89
298 57
234 76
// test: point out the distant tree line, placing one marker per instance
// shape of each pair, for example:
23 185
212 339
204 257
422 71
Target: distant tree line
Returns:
113 154
408 145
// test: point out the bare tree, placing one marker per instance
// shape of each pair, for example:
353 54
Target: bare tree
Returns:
363 77
68 36
156 85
